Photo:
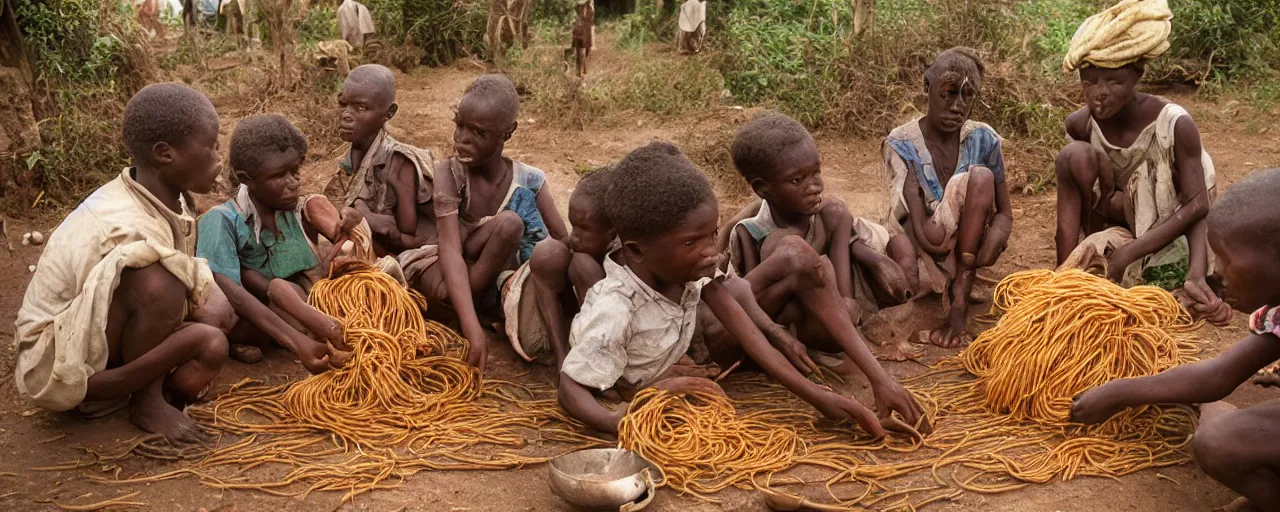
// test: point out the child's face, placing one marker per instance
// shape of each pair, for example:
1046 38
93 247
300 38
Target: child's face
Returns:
951 100
195 163
688 252
592 233
276 184
1248 277
796 186
480 130
1106 91
362 111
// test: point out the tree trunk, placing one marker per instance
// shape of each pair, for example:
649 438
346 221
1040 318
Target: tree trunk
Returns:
864 16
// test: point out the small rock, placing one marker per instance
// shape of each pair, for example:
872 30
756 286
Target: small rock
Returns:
36 237
31 268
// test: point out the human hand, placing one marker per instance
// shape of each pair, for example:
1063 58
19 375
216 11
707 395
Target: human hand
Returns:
839 407
1117 262
891 397
892 280
478 354
1202 303
348 219
1095 406
314 356
995 241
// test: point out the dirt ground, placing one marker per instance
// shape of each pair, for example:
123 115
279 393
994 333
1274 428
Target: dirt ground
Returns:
30 438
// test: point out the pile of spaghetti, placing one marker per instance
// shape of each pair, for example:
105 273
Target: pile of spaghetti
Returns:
405 402
1000 408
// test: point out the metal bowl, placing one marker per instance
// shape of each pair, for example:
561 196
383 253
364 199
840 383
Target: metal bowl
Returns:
602 478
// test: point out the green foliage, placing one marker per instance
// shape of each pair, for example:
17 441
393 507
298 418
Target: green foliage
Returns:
663 87
445 30
67 41
320 24
1170 276
1226 38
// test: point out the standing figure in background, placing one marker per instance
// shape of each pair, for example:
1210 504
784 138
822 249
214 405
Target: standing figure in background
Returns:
355 23
692 27
584 33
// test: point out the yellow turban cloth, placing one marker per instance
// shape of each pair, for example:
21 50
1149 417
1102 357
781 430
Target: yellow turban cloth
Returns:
1131 30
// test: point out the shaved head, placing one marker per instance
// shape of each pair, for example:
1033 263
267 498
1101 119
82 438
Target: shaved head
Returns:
1248 212
376 78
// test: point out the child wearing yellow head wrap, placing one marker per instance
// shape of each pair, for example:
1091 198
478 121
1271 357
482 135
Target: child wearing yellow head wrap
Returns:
1130 31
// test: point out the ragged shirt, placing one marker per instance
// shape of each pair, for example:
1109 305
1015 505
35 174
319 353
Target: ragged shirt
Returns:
627 330
367 180
521 198
232 239
60 333
904 150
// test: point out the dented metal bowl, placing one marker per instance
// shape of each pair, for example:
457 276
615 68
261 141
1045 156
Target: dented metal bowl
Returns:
602 478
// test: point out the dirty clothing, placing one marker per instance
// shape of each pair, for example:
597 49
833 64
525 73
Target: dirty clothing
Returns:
61 330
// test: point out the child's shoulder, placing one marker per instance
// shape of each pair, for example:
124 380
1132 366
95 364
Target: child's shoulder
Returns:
905 131
979 129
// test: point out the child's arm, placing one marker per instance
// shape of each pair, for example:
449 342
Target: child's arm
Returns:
896 279
996 239
248 307
739 325
550 215
454 268
1194 208
584 272
837 216
747 212
1196 383
748 249
578 402
919 219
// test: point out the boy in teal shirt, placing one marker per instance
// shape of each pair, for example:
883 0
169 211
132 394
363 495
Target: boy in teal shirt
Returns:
262 244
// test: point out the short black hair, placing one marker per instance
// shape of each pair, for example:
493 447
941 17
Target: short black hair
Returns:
962 60
653 189
257 136
499 91
1248 211
377 76
165 112
759 143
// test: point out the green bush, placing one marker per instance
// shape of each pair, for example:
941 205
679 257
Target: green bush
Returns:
320 24
1225 39
445 30
67 41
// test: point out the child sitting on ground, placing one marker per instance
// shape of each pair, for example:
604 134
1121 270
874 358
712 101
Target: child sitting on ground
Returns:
119 308
1235 447
387 181
538 310
490 211
779 159
1133 182
583 33
261 244
948 187
641 319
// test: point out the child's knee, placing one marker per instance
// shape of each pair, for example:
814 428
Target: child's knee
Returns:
210 349
509 227
1216 445
1076 163
798 255
154 289
550 261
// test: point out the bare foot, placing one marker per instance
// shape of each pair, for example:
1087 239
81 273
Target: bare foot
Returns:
953 333
150 412
1267 377
247 354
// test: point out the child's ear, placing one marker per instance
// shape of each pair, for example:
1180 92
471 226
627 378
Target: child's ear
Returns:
760 187
162 153
391 111
512 131
633 251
